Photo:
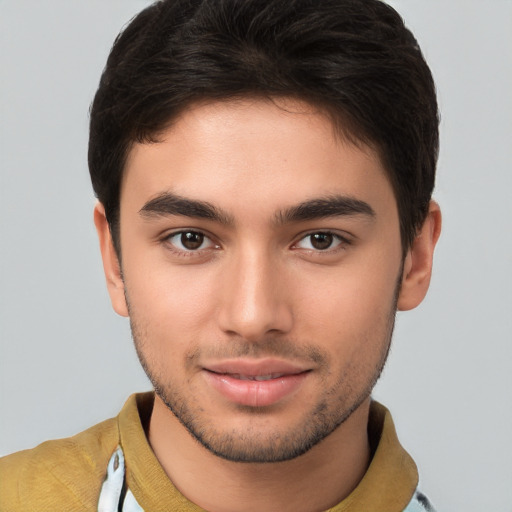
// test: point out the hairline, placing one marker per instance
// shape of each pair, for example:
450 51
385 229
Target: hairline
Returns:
343 131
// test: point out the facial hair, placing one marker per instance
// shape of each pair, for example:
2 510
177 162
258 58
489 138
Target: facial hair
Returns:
336 405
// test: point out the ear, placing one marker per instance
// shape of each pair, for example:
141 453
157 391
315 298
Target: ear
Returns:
111 266
418 261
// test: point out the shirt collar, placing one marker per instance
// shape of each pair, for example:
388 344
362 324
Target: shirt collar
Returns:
388 484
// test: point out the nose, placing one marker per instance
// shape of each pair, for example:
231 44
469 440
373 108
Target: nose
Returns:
254 302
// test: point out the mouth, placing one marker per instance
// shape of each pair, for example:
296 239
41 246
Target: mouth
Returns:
259 378
255 383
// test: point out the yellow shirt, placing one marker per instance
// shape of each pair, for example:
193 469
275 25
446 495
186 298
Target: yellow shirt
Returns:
67 474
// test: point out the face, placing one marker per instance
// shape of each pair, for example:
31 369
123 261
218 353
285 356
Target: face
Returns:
261 263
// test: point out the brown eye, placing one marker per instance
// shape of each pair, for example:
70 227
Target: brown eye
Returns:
192 240
321 241
189 241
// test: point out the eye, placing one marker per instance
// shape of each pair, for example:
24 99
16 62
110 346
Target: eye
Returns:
320 241
189 241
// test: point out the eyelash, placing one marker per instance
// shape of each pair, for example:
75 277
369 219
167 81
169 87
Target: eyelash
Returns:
342 244
189 253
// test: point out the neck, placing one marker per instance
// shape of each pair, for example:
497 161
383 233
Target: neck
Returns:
315 481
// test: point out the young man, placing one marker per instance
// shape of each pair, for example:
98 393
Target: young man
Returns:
264 171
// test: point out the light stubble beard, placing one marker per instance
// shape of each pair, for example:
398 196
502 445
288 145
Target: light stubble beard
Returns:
251 446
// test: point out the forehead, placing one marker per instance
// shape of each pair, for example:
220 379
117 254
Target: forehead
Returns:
270 153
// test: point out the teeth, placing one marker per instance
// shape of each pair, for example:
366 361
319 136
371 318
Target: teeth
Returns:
263 377
257 377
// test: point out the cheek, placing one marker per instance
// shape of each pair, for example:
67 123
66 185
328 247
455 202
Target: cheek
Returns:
356 291
349 310
172 305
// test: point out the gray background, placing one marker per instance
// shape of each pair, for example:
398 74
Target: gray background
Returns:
66 360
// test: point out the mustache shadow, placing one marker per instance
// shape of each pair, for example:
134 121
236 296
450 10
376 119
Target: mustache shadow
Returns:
268 347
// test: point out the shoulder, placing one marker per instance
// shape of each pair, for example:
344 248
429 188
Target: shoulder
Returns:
65 474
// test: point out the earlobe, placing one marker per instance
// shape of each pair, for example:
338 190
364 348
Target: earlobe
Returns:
418 261
111 267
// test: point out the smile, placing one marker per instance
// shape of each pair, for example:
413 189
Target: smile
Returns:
255 383
256 377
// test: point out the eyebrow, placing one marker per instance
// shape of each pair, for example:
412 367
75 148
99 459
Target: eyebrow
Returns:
167 203
320 208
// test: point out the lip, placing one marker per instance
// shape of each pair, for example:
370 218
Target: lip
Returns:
255 383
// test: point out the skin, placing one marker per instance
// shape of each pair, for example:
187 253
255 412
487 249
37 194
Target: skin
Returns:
264 284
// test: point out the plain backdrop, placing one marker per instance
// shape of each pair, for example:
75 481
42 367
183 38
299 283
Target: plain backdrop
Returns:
67 361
